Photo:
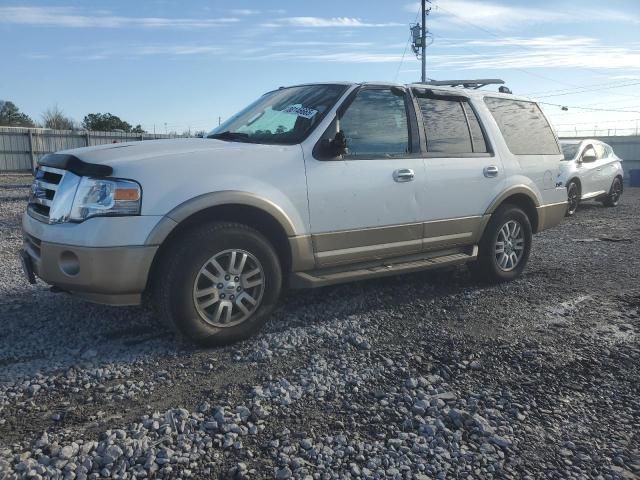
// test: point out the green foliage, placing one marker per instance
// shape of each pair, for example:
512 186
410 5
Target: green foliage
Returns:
105 122
11 116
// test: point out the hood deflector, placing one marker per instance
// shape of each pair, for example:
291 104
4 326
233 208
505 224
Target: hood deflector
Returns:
75 165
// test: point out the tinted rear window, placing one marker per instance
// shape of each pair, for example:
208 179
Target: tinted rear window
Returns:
523 126
451 126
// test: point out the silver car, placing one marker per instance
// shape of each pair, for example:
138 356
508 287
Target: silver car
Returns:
591 171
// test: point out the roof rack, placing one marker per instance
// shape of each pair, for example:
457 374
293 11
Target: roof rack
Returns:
479 83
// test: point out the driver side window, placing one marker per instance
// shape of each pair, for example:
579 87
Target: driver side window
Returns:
375 124
589 154
600 151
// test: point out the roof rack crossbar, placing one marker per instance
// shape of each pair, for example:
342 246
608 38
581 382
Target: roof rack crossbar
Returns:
478 83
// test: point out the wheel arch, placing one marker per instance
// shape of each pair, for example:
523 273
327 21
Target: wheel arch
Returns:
577 181
621 177
239 207
523 197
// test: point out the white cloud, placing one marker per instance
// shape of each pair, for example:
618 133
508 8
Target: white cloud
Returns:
551 41
526 53
176 50
498 16
321 22
70 18
245 11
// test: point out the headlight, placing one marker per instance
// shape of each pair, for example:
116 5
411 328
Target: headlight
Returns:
105 197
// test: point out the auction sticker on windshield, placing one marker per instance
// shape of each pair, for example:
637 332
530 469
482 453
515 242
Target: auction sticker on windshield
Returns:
300 111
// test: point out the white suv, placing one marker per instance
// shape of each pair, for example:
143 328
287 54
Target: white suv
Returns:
590 170
308 186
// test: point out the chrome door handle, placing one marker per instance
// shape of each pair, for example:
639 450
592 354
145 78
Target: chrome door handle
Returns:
403 175
491 171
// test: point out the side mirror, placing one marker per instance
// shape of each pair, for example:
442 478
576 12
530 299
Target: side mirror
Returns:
589 156
332 148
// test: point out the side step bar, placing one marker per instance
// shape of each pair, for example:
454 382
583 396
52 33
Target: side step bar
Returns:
316 279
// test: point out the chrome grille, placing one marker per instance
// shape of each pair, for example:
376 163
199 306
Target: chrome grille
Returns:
43 191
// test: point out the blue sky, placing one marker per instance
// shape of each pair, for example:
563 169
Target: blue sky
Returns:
186 63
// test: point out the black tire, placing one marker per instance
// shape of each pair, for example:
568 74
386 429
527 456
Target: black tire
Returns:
615 192
573 197
487 267
173 290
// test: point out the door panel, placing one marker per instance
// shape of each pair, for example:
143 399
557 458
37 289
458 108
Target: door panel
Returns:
589 175
364 205
461 177
357 204
605 169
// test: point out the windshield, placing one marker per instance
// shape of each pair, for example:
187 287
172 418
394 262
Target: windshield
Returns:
284 116
570 150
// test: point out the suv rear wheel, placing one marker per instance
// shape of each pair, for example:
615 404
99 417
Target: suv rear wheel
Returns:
505 246
218 283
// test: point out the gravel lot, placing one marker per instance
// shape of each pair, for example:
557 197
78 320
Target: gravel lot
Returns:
422 376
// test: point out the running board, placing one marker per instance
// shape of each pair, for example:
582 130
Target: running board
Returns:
316 279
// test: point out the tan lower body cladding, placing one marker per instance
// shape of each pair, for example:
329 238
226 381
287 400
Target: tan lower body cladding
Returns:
352 246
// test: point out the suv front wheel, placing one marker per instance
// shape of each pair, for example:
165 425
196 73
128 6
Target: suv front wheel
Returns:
505 245
218 283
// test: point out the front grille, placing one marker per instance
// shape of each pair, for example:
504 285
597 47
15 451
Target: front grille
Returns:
43 191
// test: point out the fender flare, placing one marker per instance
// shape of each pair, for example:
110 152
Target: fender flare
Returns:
226 197
514 190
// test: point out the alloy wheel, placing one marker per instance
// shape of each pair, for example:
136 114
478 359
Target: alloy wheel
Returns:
509 247
228 288
573 199
616 191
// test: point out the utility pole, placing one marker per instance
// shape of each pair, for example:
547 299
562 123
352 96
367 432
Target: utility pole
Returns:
424 39
419 36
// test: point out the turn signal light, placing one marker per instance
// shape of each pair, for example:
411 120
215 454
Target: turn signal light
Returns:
126 194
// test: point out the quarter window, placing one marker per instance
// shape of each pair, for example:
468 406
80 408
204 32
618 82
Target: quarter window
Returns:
375 124
523 126
451 126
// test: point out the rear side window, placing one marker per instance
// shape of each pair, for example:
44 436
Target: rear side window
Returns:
451 126
523 126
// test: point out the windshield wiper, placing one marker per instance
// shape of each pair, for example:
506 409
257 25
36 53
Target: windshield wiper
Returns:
232 136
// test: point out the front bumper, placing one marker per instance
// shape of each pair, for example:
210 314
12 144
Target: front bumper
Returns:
114 275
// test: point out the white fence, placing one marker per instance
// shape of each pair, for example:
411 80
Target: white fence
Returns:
21 148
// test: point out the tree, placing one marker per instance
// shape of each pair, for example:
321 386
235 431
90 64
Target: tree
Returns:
105 122
11 116
54 118
138 129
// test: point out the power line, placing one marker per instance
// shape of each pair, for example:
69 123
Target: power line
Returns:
464 47
395 79
590 90
616 84
589 109
597 122
523 48
498 36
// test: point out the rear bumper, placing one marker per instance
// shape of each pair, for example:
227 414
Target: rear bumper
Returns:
551 215
113 275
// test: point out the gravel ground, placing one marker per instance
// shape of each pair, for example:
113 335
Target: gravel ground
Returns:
422 376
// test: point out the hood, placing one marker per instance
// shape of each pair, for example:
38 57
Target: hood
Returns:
118 154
